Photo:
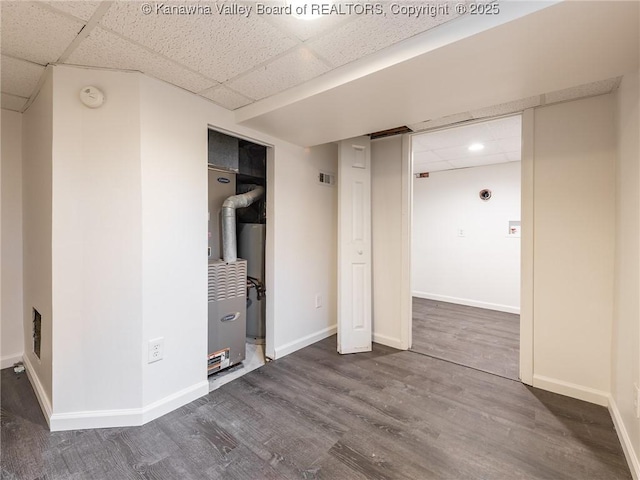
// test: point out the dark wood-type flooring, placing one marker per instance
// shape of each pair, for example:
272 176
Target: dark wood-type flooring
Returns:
475 337
386 414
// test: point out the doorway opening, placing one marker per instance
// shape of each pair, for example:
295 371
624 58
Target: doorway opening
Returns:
236 256
465 244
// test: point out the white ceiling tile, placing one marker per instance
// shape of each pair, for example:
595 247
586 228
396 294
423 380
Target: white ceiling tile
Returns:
431 167
306 29
479 161
287 71
20 77
104 49
34 33
218 46
513 144
588 90
454 137
78 8
500 137
225 97
13 102
462 151
441 122
371 33
508 127
425 157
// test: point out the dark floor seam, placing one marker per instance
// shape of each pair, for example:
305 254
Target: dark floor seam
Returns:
463 365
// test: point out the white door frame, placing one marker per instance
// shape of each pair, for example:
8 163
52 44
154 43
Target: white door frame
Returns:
526 245
269 250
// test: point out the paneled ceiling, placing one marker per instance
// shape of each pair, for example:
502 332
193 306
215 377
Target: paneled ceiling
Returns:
341 75
496 141
232 59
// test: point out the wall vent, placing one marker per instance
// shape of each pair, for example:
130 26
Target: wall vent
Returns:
37 332
325 178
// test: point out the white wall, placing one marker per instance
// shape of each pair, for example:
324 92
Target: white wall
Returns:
11 326
306 232
386 234
481 269
174 239
301 250
626 320
96 244
129 243
574 213
37 138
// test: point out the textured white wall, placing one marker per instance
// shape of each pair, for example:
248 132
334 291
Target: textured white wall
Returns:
482 268
11 326
626 320
574 216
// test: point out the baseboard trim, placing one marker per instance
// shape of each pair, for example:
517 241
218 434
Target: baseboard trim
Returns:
573 390
41 395
8 360
467 302
388 341
291 347
625 440
129 417
174 401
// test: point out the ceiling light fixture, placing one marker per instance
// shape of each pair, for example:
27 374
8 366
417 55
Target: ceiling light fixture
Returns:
476 147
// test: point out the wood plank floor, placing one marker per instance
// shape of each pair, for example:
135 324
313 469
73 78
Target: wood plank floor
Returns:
316 414
475 337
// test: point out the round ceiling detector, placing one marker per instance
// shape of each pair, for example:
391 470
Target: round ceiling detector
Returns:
485 194
91 96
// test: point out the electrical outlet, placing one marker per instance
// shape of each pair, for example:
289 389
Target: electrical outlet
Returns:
461 232
156 349
318 300
636 400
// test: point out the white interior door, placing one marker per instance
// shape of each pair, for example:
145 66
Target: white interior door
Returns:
354 245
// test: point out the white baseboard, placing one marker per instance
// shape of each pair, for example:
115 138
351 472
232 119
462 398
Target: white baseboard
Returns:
599 397
41 395
8 360
174 401
388 341
625 440
467 302
291 347
96 419
127 417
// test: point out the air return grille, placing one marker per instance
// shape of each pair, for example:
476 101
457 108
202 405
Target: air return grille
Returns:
227 280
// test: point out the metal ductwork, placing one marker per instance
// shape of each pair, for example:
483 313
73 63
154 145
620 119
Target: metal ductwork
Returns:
229 242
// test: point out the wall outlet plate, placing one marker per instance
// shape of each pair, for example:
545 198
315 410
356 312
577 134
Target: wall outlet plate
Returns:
156 349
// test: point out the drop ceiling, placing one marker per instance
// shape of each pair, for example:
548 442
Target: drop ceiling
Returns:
448 149
312 82
231 59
